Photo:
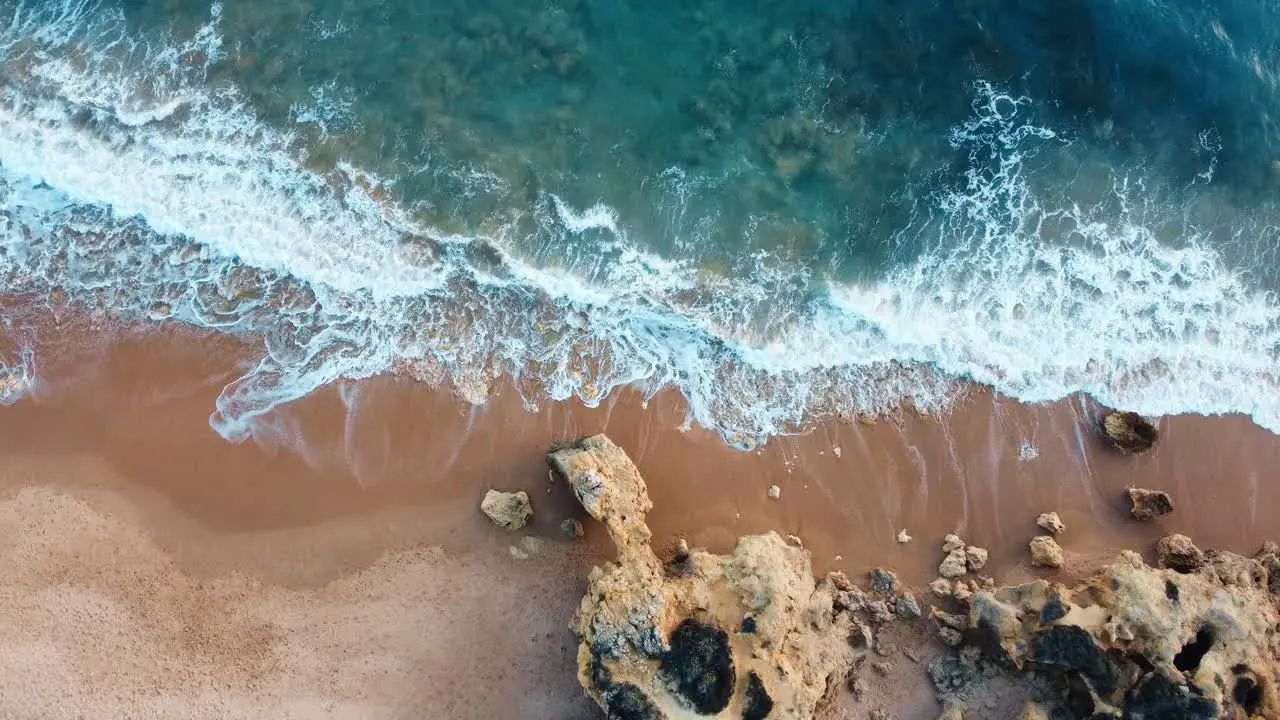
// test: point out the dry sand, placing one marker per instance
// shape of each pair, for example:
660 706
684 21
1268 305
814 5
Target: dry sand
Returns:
337 565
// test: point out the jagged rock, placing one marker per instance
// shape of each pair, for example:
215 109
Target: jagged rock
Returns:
507 510
903 537
953 711
1129 432
955 564
951 543
775 492
962 591
1233 569
884 582
941 587
1177 552
1269 557
1148 504
1045 552
975 558
572 528
907 607
749 633
1051 523
1141 642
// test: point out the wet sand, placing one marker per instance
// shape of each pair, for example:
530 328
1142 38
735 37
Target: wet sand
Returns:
337 565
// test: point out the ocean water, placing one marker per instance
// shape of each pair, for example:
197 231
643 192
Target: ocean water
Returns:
786 211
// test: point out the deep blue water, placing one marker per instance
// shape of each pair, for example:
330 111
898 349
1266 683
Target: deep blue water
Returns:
784 209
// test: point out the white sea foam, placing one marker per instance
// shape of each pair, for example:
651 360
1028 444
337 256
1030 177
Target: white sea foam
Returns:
126 183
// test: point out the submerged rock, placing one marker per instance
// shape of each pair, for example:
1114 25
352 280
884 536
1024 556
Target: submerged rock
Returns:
1051 523
1129 432
572 527
1148 504
1136 641
749 634
1045 552
507 510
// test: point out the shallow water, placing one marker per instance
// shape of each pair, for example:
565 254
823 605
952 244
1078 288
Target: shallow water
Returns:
785 211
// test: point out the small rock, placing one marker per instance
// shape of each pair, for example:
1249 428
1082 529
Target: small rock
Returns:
884 668
953 711
1129 432
526 548
975 557
775 492
1045 552
840 580
955 564
794 540
962 591
903 537
879 611
1147 504
951 543
1177 552
1051 523
507 510
884 582
682 550
572 528
908 608
857 687
941 587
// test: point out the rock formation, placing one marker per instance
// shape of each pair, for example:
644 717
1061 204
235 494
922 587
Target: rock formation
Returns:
746 635
1129 432
1133 642
1148 504
507 510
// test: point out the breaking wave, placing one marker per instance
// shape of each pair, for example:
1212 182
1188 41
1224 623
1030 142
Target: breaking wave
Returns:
133 182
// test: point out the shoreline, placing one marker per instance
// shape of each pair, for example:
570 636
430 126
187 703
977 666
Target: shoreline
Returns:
370 490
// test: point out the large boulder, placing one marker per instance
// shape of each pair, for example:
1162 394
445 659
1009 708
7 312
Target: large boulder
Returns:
1129 432
746 635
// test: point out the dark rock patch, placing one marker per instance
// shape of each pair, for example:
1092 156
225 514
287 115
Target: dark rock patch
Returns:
628 702
1188 659
1072 648
756 704
1156 696
700 667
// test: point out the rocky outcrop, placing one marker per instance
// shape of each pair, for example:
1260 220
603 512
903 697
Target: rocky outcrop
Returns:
1134 641
746 635
507 510
1149 504
1129 432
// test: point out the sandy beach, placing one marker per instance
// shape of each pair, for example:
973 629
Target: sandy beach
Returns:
337 564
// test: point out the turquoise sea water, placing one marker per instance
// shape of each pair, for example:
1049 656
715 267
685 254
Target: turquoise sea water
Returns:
783 210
